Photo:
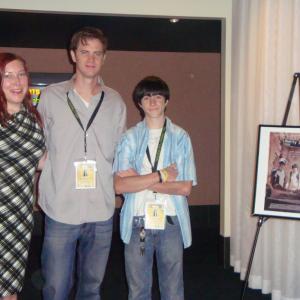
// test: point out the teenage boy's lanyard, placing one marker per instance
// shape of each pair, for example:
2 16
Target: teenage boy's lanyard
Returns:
158 151
154 169
73 109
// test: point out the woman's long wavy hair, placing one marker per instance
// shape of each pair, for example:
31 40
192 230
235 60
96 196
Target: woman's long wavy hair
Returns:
6 58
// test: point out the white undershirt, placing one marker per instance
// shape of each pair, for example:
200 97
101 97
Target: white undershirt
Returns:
146 196
87 104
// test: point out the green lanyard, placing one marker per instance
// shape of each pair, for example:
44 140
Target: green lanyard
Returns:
73 109
158 151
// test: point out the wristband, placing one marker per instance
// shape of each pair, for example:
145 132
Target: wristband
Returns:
160 177
164 175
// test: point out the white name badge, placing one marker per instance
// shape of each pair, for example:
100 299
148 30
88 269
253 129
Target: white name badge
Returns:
85 174
155 215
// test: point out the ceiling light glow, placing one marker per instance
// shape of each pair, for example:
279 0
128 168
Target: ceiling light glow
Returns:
174 20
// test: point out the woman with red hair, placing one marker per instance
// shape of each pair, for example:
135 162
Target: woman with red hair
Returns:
21 149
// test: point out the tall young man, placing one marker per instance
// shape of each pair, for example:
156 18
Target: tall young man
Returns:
83 121
154 169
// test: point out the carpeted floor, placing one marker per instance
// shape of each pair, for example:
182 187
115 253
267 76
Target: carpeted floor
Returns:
204 278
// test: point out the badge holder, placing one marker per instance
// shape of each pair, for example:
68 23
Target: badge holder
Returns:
155 215
85 174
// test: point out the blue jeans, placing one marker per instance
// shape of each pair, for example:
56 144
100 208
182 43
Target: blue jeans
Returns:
168 246
92 242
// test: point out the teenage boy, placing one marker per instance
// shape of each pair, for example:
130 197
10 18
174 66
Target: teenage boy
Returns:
83 121
154 169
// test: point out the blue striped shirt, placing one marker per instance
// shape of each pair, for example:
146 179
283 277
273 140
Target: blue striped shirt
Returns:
130 153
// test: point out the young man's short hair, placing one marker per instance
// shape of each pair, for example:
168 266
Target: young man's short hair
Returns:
150 86
85 34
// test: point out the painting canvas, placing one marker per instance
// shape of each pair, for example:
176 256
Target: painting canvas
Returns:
277 183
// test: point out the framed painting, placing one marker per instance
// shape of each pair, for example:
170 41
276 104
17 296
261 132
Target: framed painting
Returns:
277 181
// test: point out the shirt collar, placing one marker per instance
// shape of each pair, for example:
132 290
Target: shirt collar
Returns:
70 83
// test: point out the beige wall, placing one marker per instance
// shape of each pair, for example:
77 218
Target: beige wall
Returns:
192 8
194 80
188 8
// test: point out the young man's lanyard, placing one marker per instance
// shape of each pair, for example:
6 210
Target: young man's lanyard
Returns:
73 109
158 151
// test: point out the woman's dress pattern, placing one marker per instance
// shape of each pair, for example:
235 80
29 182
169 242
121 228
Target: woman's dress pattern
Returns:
21 147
